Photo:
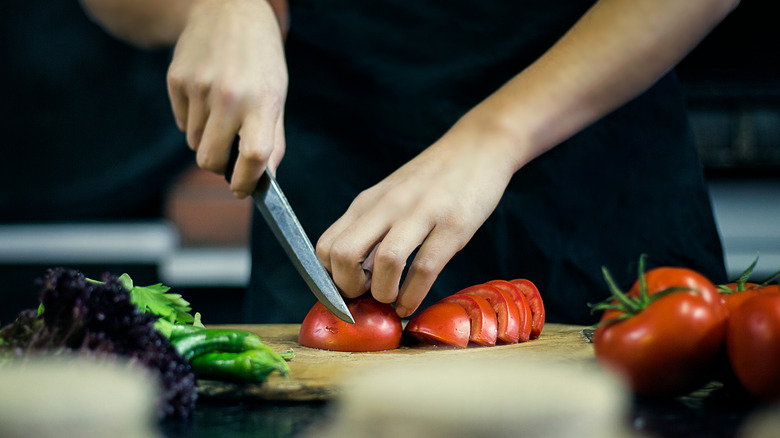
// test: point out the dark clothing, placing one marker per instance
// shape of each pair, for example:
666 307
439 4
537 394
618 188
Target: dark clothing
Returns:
88 132
374 83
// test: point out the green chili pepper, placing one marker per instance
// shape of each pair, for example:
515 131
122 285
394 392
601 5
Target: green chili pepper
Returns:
179 330
246 366
228 340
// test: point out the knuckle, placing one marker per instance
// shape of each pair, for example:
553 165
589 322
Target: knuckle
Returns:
323 249
226 95
341 251
425 267
390 256
209 163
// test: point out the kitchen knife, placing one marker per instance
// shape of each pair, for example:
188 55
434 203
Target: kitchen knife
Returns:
273 206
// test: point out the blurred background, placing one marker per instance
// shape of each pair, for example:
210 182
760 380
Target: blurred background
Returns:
95 175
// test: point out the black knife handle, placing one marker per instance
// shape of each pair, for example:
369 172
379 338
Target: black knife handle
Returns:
232 158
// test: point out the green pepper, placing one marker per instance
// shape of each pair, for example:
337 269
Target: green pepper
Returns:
179 330
246 366
228 340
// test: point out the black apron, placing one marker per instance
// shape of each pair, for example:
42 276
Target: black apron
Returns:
374 83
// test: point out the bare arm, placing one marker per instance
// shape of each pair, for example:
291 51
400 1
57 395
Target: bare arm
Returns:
153 23
614 53
438 200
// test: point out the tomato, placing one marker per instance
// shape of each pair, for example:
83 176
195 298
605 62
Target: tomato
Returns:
735 299
535 302
669 344
443 324
753 345
484 325
506 310
524 311
377 327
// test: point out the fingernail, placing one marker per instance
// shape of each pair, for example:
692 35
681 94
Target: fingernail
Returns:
239 194
401 311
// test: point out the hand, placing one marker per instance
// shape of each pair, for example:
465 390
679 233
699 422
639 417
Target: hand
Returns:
228 77
435 202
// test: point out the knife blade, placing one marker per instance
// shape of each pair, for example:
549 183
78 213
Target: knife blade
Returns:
278 214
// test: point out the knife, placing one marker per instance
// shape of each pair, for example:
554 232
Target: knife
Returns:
273 206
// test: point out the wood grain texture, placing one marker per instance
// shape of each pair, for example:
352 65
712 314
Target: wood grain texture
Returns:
318 374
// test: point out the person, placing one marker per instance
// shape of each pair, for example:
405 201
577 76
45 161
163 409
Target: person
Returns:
432 146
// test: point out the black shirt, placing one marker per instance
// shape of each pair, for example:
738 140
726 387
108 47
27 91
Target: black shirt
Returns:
374 83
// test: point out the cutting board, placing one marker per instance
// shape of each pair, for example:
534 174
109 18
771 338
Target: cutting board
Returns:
317 374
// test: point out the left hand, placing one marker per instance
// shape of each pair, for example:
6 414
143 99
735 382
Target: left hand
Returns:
435 202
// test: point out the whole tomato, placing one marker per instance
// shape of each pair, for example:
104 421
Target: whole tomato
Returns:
377 327
664 335
753 344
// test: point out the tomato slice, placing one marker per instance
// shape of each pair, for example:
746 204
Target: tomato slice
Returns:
535 302
377 327
506 310
524 310
484 325
442 324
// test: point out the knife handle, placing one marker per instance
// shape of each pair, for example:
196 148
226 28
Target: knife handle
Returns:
232 158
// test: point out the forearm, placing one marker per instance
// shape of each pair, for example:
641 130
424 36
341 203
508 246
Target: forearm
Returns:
615 52
144 23
155 23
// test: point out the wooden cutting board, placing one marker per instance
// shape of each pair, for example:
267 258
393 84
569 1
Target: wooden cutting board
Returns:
318 374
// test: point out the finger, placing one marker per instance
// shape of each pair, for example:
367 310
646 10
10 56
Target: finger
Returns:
325 243
214 149
178 98
391 256
434 254
256 141
197 115
347 254
279 146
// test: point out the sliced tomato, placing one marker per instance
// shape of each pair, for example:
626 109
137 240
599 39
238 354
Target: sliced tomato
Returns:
442 324
506 310
534 298
484 325
377 327
524 310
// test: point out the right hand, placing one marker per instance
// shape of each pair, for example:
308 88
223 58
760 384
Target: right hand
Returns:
228 77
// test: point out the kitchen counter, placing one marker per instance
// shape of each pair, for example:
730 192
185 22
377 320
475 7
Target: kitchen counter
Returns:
307 401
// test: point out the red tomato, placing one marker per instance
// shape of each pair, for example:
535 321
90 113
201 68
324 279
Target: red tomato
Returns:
443 324
670 346
735 299
526 316
535 302
377 327
753 344
506 310
484 325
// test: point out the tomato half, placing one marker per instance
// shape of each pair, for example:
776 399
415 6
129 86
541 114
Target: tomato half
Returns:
443 324
669 347
506 310
484 325
524 311
377 327
753 344
534 298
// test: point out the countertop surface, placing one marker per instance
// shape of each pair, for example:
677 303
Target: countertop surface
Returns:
304 401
